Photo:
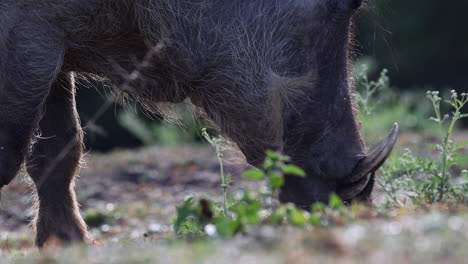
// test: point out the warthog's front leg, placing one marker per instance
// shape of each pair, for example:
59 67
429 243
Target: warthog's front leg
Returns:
31 57
53 164
28 63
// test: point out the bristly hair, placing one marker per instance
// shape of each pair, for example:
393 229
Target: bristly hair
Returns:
239 61
232 68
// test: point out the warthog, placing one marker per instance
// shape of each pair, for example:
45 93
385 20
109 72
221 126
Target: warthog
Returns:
272 74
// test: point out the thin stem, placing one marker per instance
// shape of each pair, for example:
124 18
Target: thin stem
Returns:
445 155
436 104
223 178
215 143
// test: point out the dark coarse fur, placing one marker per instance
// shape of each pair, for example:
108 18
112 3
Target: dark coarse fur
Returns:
272 74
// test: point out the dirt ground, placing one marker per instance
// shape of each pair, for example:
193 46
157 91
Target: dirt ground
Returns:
129 198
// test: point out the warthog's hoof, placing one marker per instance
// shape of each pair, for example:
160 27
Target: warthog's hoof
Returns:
58 238
57 226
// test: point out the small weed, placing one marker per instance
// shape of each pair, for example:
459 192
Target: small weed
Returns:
423 179
274 168
427 179
253 208
447 149
225 181
369 89
381 106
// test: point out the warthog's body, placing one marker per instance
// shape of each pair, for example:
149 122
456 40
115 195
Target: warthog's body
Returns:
271 73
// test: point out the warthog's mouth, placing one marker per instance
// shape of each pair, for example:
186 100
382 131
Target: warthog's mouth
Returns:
364 172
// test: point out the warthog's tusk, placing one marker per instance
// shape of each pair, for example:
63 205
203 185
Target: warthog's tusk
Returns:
365 169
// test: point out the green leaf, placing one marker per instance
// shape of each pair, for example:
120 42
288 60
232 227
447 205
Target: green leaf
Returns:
294 170
335 201
272 155
268 164
252 213
247 196
318 207
254 174
298 217
190 228
315 220
226 227
436 179
276 180
279 215
229 180
183 213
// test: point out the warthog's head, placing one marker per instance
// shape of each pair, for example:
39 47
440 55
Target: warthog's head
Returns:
322 134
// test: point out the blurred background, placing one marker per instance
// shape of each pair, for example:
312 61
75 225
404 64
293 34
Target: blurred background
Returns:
422 43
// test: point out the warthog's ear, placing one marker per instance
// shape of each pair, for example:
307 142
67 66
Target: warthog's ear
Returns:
366 167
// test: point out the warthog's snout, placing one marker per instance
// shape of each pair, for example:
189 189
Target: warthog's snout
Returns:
346 170
364 171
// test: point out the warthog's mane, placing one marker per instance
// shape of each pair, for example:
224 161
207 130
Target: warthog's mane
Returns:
233 64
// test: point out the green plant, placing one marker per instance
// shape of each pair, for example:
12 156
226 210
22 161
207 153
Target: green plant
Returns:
381 106
369 88
447 148
190 219
274 168
252 208
419 178
424 179
225 181
407 173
